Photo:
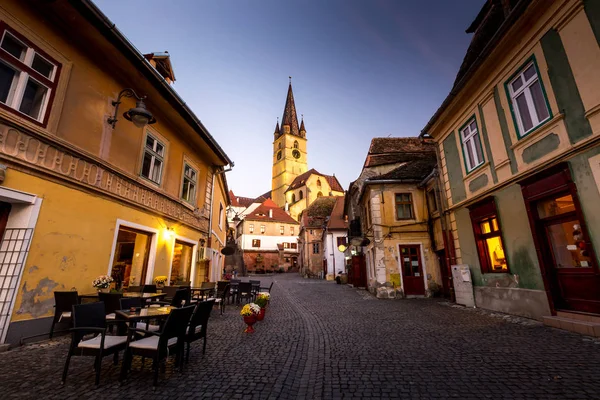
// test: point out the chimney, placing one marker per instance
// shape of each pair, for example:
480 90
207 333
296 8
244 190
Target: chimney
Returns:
271 213
287 206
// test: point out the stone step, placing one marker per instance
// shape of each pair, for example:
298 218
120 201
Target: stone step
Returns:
595 318
574 325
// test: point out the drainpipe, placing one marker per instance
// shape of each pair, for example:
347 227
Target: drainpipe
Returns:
210 217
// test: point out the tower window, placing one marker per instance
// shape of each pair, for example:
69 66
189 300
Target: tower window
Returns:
293 198
279 145
295 144
318 183
319 194
279 155
301 195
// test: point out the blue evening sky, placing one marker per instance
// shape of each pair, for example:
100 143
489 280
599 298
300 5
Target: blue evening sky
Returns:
360 68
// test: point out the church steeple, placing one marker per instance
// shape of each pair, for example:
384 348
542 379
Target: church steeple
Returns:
302 128
289 122
276 133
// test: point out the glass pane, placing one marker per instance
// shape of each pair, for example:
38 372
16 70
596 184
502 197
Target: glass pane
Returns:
33 99
539 101
470 156
185 191
477 144
517 83
496 254
567 245
14 47
42 66
181 267
150 142
160 150
555 206
529 72
130 259
156 170
7 77
494 224
473 127
407 268
524 112
146 165
485 227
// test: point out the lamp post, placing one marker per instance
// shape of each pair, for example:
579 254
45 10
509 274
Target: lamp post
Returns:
139 115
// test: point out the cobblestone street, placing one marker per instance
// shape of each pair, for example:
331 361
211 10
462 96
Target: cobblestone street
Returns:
322 340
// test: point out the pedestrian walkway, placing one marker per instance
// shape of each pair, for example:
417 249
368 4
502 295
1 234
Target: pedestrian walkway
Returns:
322 340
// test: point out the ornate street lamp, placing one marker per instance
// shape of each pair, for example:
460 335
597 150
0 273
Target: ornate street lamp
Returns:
139 115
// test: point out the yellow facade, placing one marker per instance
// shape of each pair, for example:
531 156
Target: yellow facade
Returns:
286 167
73 181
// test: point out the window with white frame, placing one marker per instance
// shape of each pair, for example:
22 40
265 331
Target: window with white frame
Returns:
28 76
154 153
262 229
190 179
528 100
471 144
282 230
251 228
291 230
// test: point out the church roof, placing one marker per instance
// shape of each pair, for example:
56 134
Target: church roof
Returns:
261 213
316 215
300 180
337 220
289 113
302 128
277 129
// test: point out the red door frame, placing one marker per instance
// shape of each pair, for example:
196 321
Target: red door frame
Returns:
421 278
554 181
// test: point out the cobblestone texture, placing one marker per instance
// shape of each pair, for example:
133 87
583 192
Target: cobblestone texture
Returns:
322 340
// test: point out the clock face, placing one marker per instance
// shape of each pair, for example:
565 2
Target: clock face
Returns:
296 154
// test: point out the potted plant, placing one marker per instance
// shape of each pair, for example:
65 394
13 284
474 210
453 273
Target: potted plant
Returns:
102 283
262 300
160 281
249 312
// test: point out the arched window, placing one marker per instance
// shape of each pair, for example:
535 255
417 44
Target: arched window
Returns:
279 155
318 183
293 198
279 145
301 195
319 194
295 144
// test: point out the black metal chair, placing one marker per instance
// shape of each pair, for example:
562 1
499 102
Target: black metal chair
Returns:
63 307
170 292
210 293
234 284
244 292
158 345
267 289
135 289
111 302
198 323
221 297
181 298
255 288
90 318
149 289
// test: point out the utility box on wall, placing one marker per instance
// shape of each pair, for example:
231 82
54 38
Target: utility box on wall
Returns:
463 285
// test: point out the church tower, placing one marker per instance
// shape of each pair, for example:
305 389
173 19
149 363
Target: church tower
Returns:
289 150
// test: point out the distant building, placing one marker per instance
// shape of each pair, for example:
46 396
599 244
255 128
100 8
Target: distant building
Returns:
335 241
268 239
313 222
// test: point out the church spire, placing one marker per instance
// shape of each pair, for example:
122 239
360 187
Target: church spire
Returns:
277 129
289 122
302 128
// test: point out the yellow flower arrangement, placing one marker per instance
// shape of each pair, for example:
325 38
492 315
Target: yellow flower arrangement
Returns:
246 311
160 280
262 299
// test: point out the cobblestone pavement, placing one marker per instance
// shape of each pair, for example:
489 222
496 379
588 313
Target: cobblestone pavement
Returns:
322 340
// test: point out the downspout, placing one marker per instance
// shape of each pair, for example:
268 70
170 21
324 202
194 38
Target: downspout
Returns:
210 218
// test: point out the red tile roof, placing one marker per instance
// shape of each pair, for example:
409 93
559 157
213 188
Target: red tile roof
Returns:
239 201
261 213
301 179
337 221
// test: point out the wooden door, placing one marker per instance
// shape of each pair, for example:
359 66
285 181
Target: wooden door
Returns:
566 255
412 270
359 271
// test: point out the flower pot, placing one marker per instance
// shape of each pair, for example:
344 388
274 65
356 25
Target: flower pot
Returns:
249 320
103 290
261 315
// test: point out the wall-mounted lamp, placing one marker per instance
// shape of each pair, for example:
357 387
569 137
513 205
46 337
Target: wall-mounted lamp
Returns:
139 115
202 242
168 233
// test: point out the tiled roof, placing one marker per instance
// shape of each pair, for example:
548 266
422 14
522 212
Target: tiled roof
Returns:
290 117
337 221
414 171
384 151
261 213
315 216
301 179
239 201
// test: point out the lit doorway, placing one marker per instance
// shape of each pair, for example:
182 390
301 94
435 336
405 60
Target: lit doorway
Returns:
181 267
130 257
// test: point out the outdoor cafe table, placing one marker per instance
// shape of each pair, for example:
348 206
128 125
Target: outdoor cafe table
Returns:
202 292
144 313
145 296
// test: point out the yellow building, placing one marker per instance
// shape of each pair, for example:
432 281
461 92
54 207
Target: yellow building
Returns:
518 139
293 185
84 191
393 202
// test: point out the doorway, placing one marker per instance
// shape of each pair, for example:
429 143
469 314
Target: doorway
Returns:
130 261
564 249
412 270
181 267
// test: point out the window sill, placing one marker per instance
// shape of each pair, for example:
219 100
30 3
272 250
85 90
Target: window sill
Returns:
477 168
592 111
480 170
537 132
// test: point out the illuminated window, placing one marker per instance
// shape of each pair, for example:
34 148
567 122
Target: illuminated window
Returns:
488 237
255 242
286 245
